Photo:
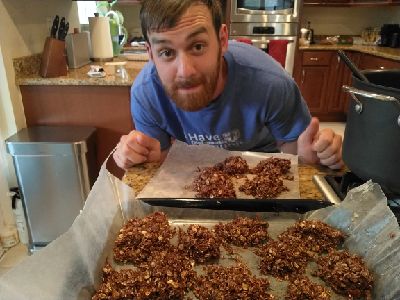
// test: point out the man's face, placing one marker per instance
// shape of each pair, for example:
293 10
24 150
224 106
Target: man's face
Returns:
188 59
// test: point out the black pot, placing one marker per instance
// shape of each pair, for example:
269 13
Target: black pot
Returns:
371 145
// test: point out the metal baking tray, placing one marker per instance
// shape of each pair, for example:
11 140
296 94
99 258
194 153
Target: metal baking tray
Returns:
181 214
255 205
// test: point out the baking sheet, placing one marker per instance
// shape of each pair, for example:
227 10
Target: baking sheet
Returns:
70 267
278 222
179 169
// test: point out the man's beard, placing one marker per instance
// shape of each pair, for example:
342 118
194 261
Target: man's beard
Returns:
197 100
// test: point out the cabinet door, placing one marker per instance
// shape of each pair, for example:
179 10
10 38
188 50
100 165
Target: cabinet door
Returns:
311 74
370 62
313 84
340 75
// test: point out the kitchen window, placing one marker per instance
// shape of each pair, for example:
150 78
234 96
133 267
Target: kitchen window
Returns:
86 9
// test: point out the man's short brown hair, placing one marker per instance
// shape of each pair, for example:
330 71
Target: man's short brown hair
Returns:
156 15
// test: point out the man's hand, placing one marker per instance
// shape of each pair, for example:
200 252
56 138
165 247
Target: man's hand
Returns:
136 148
324 147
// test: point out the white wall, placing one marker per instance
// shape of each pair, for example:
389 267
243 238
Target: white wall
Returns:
349 20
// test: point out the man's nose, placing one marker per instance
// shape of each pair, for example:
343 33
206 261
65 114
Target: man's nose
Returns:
185 67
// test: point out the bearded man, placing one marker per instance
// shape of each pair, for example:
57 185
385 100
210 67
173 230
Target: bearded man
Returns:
201 88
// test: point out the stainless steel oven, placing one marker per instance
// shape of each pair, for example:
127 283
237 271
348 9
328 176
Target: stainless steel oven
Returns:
265 11
265 20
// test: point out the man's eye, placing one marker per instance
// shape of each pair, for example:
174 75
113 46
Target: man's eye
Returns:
199 47
165 53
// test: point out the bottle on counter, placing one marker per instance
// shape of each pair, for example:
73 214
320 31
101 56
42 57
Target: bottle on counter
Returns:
310 33
303 41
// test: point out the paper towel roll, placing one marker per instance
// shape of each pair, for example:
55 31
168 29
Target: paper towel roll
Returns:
100 38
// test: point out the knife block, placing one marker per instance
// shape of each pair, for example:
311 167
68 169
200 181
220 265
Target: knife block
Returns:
54 59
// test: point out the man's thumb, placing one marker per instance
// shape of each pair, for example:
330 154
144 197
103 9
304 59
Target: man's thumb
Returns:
305 141
311 131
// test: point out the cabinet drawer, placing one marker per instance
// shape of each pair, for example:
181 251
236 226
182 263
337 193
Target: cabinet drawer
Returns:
370 62
316 58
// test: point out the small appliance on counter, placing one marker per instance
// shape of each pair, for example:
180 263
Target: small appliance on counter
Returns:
100 37
119 34
390 35
78 48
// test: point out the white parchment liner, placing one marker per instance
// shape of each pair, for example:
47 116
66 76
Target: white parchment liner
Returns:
179 169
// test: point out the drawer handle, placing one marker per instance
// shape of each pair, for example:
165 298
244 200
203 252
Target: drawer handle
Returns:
314 58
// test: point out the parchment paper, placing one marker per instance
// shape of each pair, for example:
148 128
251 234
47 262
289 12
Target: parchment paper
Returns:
70 266
179 169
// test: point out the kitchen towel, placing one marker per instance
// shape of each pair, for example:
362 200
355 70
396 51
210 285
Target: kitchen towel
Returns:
278 49
244 40
100 37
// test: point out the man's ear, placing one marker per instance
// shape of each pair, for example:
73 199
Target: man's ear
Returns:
223 38
148 49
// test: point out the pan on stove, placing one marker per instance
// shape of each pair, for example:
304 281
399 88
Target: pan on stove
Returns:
371 145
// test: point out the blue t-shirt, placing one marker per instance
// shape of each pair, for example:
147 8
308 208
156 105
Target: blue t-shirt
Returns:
260 104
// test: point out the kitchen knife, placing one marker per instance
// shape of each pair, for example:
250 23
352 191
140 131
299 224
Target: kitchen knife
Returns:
54 27
61 29
65 32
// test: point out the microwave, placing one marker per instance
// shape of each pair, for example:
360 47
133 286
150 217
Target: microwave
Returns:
265 10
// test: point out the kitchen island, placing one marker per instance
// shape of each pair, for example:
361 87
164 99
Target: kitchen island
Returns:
76 99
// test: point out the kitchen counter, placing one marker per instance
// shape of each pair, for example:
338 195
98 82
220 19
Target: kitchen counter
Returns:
138 176
27 68
385 52
27 73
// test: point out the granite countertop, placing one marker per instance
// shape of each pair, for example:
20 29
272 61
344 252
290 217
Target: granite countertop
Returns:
27 73
27 68
385 52
138 176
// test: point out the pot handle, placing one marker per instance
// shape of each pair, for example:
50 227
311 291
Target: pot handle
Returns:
354 91
358 107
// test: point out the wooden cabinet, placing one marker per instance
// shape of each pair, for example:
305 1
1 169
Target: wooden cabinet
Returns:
340 75
320 76
370 62
313 78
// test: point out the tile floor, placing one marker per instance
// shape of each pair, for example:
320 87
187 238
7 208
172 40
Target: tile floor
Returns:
16 254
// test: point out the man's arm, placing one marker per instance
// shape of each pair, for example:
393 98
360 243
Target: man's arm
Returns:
316 146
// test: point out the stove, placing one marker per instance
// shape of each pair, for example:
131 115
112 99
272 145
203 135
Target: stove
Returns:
335 188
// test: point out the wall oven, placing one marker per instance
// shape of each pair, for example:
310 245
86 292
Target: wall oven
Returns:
265 20
265 10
